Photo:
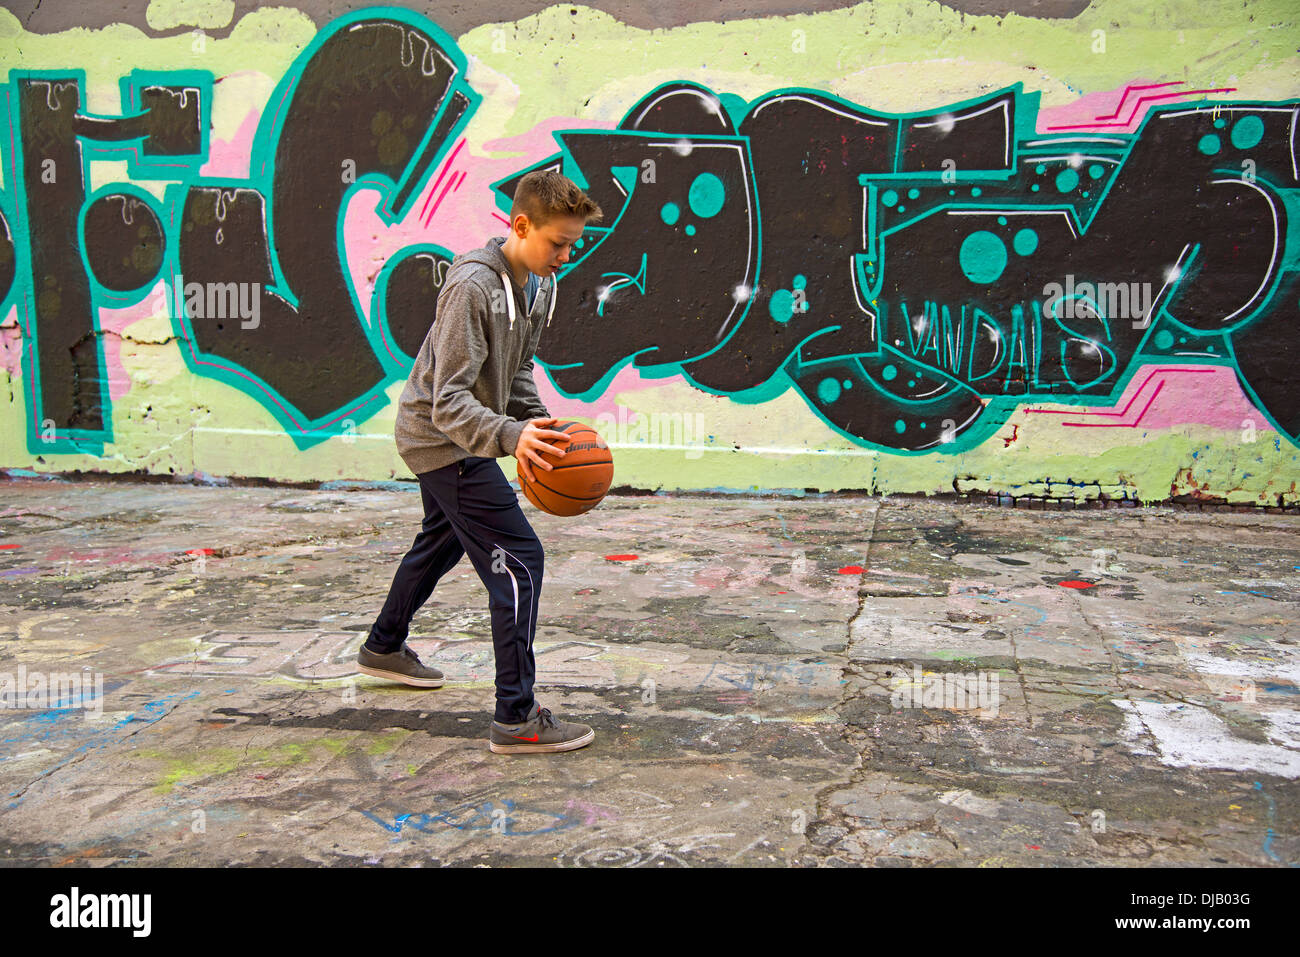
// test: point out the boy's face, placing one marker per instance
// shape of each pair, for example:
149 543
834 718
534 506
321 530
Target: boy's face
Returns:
546 248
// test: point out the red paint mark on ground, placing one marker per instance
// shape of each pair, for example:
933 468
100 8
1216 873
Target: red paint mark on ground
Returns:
1015 432
11 546
1077 584
620 558
1033 847
735 697
780 593
851 570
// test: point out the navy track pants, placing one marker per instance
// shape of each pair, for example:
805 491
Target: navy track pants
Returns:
470 508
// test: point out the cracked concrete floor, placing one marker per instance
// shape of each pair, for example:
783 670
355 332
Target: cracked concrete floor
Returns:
814 682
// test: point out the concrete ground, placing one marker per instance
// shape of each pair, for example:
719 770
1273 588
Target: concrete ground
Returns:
826 681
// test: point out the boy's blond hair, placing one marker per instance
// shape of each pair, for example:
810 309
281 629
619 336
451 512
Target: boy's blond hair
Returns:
545 194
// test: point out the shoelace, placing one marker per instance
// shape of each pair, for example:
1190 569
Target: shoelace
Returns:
544 716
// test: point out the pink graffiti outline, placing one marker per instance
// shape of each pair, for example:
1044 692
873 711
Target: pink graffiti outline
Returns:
453 183
446 167
1138 106
447 164
1124 411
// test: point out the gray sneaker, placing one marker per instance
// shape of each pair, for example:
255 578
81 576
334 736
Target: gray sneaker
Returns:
541 733
402 665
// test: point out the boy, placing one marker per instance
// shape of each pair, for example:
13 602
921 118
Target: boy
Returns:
470 399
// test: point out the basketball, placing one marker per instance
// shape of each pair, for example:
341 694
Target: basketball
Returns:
578 481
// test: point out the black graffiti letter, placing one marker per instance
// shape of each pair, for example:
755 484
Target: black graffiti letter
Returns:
366 98
54 189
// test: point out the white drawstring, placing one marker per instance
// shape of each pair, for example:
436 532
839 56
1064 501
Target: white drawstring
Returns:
510 299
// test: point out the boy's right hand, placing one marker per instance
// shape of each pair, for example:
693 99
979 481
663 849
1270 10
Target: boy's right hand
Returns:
532 442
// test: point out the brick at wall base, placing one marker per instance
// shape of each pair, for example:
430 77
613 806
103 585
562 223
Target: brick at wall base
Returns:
1182 503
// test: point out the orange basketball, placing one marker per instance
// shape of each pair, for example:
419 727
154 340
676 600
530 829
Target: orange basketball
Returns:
579 480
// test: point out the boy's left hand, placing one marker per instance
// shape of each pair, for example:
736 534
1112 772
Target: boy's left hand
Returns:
532 444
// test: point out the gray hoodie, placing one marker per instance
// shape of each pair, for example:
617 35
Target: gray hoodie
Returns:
471 390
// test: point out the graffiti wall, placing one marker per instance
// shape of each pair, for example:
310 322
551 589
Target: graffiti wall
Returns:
1038 249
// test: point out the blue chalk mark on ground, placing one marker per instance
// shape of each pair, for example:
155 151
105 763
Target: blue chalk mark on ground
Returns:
45 723
470 817
1269 835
